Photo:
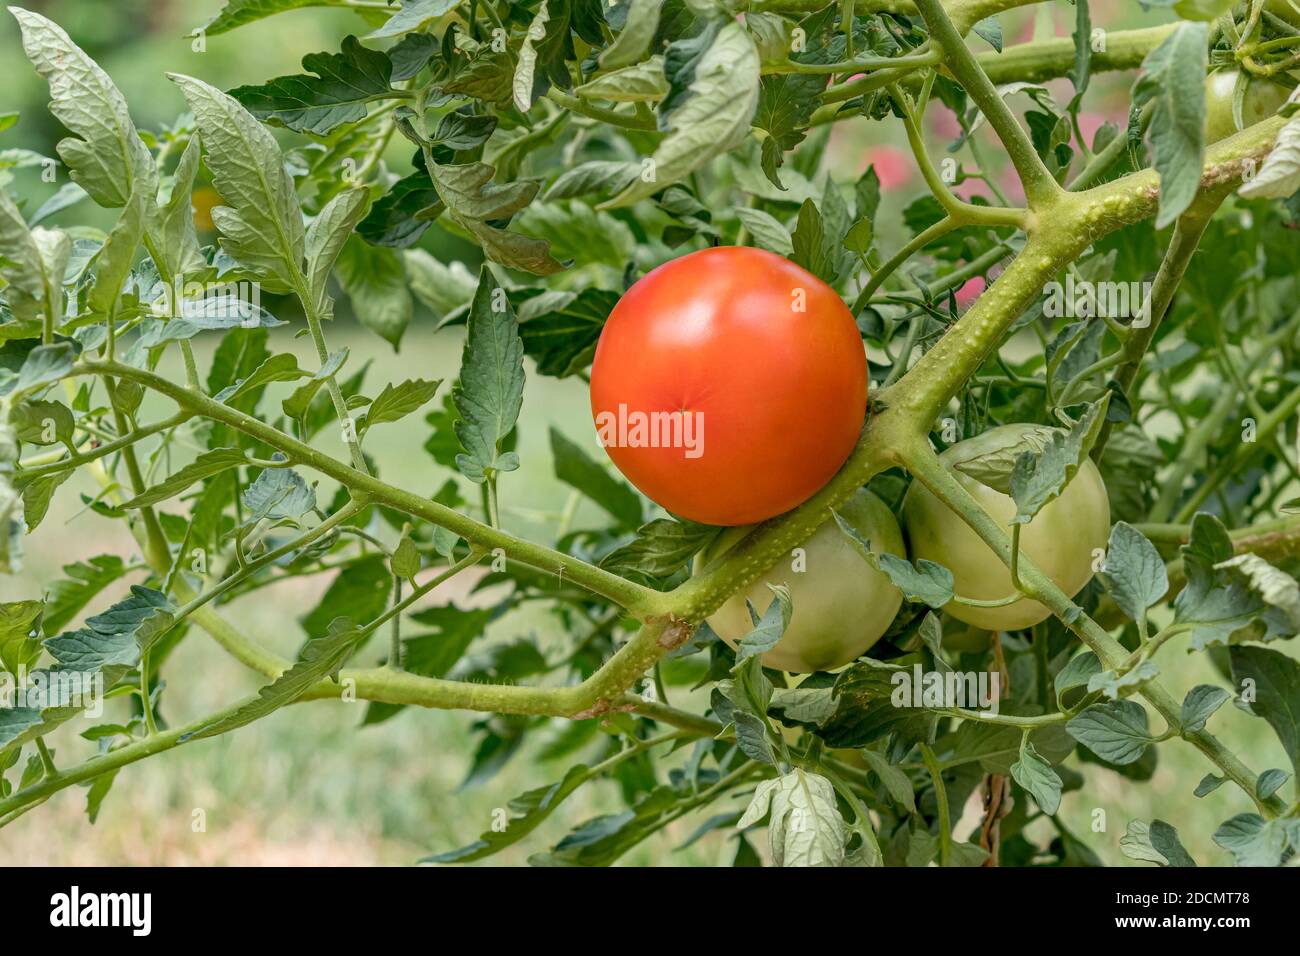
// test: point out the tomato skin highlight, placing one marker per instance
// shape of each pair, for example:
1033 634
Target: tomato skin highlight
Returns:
776 396
841 604
1060 539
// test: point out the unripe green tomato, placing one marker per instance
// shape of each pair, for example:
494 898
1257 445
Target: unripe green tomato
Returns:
841 604
1263 99
1060 539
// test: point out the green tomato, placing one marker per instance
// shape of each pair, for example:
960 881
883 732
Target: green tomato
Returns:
1060 539
1263 98
841 604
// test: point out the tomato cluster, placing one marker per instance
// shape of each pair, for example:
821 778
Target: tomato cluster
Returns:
729 385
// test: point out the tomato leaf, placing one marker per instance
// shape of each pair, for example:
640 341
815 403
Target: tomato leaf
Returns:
490 390
337 89
1116 731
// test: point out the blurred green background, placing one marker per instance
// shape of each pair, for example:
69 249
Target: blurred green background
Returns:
308 786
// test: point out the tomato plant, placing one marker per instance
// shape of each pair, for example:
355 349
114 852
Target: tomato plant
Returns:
756 370
1049 353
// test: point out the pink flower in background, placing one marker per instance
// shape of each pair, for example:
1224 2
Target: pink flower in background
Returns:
943 122
894 166
969 292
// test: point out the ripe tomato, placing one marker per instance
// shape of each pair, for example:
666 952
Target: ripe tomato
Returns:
841 604
729 385
1263 99
1059 540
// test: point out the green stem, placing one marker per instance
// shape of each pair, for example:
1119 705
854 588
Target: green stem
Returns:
1040 187
941 799
638 599
47 759
1187 234
109 448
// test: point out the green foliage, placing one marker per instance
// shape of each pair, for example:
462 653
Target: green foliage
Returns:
561 150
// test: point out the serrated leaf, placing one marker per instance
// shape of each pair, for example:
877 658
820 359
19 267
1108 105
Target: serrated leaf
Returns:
1200 704
405 562
374 279
204 466
994 467
277 368
1038 478
1116 731
113 265
924 582
1134 573
176 240
1173 79
320 657
804 826
112 640
475 203
20 629
1279 176
594 176
414 15
526 67
237 13
1111 682
326 237
106 157
767 231
83 580
1036 775
338 89
715 118
660 548
528 811
395 402
490 390
1275 688
262 226
1274 587
638 32
1252 840
639 83
278 494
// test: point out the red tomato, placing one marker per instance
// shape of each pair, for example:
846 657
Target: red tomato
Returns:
729 385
